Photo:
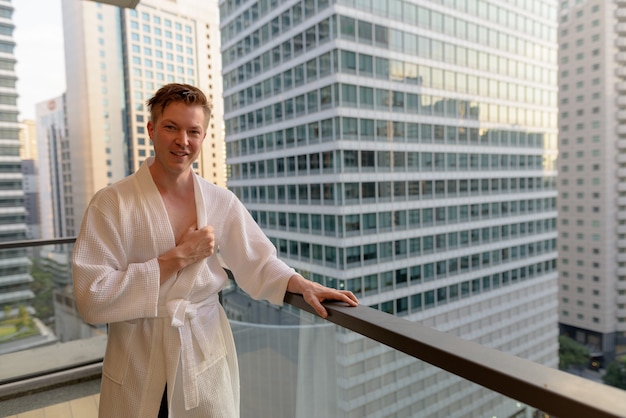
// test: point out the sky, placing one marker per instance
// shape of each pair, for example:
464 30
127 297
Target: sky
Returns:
39 53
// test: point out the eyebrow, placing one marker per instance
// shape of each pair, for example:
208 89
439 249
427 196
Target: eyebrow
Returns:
173 122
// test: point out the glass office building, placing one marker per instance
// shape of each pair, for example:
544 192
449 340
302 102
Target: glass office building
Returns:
15 292
404 150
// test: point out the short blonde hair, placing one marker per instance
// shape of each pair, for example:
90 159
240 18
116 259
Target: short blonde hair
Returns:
175 92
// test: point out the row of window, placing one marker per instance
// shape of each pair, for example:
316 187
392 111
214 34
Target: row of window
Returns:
156 21
408 276
377 253
354 193
158 43
147 52
335 96
159 77
12 219
369 161
446 294
581 317
398 132
148 63
7 64
11 184
401 220
372 192
368 66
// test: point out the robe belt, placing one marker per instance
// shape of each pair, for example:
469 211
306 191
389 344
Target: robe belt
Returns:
184 318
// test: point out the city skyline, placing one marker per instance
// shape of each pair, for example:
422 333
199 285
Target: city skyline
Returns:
407 153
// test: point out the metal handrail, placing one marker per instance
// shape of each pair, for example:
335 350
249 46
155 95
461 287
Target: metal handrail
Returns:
35 243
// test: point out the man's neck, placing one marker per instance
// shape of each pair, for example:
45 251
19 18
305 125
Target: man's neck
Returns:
174 186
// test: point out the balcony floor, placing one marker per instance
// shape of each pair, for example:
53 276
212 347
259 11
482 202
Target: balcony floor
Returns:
86 407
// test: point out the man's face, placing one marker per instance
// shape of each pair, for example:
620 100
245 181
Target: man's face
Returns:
177 136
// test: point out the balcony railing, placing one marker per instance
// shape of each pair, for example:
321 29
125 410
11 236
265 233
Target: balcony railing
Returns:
548 390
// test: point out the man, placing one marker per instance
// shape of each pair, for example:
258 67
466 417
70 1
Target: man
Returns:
148 262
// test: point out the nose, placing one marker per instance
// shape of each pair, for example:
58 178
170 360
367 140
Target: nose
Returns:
181 139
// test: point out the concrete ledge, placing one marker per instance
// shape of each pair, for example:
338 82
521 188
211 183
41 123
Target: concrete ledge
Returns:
52 358
50 381
42 368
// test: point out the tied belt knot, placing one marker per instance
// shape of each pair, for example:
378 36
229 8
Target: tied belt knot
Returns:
184 315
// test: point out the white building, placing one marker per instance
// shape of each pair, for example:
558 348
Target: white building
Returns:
54 164
405 150
592 175
14 265
115 60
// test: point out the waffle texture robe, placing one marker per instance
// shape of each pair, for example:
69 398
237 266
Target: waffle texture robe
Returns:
176 333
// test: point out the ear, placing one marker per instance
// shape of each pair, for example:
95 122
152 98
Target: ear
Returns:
150 128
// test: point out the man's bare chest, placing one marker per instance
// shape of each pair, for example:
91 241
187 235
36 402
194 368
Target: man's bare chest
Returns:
182 215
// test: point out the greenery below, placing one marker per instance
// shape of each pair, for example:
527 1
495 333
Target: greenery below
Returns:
16 327
42 287
22 326
616 373
572 355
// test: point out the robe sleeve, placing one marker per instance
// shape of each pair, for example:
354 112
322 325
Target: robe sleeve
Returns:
109 288
251 256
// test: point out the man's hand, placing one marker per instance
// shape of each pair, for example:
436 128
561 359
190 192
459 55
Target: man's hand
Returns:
197 244
314 294
194 245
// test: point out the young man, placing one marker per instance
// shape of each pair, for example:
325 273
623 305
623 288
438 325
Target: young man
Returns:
145 262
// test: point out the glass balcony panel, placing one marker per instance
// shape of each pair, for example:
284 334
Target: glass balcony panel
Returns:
315 369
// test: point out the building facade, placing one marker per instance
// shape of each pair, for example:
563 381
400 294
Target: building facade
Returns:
30 177
54 163
405 150
115 60
15 275
592 175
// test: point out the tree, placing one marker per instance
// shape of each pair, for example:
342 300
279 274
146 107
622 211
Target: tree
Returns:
616 373
572 354
24 319
42 287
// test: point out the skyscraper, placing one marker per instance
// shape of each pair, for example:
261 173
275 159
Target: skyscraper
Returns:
14 264
592 191
115 60
54 164
29 157
405 150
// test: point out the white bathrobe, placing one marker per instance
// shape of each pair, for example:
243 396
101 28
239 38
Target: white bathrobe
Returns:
178 333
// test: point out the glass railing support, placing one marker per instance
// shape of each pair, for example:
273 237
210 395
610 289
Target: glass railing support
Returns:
549 390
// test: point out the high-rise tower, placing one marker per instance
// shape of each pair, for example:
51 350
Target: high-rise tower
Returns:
14 264
405 150
115 60
592 174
